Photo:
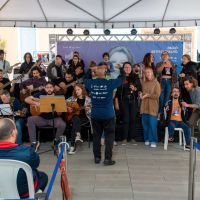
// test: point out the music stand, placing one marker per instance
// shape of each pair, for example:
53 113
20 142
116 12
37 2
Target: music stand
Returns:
6 110
52 104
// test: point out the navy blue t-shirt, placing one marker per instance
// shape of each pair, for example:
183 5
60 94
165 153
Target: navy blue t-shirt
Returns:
101 92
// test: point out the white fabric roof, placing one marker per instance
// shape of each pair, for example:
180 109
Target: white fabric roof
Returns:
103 13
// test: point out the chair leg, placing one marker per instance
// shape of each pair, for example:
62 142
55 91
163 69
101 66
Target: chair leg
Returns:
166 138
184 143
180 138
88 138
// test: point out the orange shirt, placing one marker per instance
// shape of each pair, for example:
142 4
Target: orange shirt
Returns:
176 111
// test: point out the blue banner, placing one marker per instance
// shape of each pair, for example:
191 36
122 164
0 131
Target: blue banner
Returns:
120 51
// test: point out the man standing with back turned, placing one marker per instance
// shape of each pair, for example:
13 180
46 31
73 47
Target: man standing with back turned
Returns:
102 113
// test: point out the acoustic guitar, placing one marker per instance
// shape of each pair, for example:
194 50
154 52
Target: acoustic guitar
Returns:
35 110
11 67
2 86
76 110
28 93
62 87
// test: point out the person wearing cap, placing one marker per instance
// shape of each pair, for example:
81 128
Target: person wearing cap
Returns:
166 74
102 113
4 64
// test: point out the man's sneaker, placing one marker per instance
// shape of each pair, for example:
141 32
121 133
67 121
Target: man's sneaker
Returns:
115 143
153 146
35 145
72 151
124 142
108 162
78 138
187 147
97 160
147 143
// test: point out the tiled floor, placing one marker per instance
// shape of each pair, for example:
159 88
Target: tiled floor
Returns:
140 173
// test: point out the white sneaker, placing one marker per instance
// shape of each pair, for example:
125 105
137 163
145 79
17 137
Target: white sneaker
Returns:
153 145
102 141
78 138
147 143
72 151
115 143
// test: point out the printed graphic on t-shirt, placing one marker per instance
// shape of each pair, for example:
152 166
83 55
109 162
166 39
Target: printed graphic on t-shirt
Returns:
99 91
176 111
167 71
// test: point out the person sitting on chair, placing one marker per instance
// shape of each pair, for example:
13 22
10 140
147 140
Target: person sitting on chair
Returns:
4 81
44 119
175 116
78 115
19 112
10 150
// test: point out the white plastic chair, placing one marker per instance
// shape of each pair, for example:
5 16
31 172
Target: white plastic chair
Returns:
181 137
8 179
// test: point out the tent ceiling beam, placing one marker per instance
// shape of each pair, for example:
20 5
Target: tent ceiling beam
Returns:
85 11
122 11
4 5
167 5
42 10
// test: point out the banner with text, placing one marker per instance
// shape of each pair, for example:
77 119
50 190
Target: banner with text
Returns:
121 51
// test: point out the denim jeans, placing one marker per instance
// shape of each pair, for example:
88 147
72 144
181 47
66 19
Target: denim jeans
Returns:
20 122
149 123
179 124
166 86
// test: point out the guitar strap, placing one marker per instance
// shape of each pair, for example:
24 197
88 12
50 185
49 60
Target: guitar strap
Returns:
4 64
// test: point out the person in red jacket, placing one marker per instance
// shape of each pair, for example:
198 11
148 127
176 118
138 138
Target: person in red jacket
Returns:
10 150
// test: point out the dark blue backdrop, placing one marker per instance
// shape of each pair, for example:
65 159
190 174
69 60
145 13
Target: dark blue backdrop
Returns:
121 50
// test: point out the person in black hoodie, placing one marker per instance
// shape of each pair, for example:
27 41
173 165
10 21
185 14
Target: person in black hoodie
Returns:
127 96
175 116
10 150
27 64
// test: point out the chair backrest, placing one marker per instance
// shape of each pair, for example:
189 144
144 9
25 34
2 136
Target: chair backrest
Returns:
8 178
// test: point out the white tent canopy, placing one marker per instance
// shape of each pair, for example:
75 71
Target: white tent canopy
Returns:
99 13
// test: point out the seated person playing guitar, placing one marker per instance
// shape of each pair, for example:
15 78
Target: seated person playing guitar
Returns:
66 85
18 110
78 109
34 84
43 119
4 81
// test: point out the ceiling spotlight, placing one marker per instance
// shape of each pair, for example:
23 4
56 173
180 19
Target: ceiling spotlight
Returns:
74 25
69 31
86 32
156 31
95 26
172 30
112 25
133 31
107 32
34 26
54 26
133 26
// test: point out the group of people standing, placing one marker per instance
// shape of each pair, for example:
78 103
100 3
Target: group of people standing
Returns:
155 91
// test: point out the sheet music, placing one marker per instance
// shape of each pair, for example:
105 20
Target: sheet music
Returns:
5 109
